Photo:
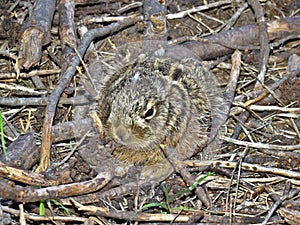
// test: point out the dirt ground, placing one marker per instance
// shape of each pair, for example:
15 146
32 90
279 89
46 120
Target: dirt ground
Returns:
56 162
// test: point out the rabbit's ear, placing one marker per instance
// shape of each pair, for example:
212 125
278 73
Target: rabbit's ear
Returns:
176 72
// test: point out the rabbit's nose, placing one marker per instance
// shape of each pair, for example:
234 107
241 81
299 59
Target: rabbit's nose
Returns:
122 135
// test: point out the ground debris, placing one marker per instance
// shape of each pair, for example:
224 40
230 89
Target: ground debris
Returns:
54 61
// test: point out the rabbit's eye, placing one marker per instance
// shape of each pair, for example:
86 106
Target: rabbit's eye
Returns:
150 113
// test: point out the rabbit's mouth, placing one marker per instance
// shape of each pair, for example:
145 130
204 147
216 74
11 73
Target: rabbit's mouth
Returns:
124 137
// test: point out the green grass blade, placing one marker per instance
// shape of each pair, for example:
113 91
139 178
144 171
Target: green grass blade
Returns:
66 210
179 208
42 209
150 205
2 135
189 189
154 204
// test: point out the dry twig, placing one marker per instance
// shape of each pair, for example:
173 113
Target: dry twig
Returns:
245 166
23 194
264 40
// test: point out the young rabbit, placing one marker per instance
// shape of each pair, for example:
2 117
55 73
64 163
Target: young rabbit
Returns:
157 101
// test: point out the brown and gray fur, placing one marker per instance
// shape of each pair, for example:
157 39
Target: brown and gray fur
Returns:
157 101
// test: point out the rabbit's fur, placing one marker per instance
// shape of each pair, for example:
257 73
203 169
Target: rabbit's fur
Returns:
157 101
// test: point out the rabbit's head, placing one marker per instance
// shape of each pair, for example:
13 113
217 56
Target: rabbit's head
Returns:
145 110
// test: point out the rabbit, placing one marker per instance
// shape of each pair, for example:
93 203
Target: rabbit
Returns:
155 102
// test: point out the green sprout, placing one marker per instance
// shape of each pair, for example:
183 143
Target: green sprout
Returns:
61 206
42 209
169 199
2 134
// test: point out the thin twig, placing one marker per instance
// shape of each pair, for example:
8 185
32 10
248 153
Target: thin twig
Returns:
264 108
245 166
72 151
30 74
261 145
176 160
287 194
197 9
235 16
17 88
130 216
42 101
44 218
264 41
